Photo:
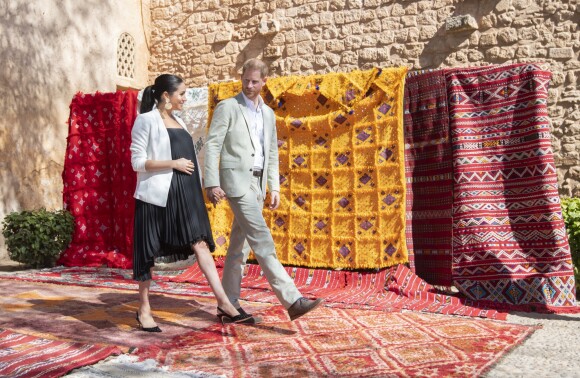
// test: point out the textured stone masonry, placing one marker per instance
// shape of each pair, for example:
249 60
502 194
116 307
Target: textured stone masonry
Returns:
207 41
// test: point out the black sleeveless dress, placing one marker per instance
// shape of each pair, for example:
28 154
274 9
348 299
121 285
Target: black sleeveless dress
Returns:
165 234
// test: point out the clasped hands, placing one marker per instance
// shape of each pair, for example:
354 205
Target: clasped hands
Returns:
215 194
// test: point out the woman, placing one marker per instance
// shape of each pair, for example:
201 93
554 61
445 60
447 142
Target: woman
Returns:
171 220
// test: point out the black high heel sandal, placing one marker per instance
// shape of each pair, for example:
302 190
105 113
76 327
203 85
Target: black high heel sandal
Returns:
241 318
146 329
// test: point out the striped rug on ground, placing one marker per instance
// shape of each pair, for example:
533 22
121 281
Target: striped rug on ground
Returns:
429 173
30 356
509 240
392 289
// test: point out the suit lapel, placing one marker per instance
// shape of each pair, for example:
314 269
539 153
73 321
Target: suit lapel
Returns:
243 110
267 132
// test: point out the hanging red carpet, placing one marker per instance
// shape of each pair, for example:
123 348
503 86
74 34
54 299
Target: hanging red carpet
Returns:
99 181
344 343
30 356
429 173
509 240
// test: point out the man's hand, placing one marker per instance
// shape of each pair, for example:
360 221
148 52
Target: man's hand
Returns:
215 194
274 200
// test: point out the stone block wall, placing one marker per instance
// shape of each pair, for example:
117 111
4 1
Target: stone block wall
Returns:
50 50
207 41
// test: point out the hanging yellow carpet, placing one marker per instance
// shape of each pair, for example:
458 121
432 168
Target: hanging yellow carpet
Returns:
340 140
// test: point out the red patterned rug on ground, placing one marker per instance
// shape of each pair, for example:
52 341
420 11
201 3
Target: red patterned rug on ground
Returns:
429 175
30 356
344 343
113 278
509 240
99 181
392 289
336 341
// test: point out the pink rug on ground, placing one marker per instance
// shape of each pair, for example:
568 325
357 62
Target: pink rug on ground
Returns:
103 316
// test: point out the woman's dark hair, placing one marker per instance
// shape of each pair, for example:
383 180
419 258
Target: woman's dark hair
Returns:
163 83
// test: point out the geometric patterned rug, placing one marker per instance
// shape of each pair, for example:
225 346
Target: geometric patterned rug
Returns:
331 342
341 167
391 289
429 175
509 238
29 356
98 179
343 343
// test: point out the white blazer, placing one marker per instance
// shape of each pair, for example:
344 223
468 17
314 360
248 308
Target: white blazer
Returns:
150 141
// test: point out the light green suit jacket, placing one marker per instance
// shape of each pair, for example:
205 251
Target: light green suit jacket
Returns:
229 149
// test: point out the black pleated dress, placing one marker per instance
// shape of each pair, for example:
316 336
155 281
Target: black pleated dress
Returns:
165 234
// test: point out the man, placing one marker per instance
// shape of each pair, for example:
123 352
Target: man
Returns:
241 157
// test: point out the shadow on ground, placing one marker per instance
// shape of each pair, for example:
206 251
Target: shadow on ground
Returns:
12 266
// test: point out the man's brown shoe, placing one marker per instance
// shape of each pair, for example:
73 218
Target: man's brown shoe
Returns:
303 306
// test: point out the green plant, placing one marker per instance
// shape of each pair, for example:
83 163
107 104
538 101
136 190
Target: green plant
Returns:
37 237
571 213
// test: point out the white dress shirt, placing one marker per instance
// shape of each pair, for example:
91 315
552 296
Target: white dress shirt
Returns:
256 120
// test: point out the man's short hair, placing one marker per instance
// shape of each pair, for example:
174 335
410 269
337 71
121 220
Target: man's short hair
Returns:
255 64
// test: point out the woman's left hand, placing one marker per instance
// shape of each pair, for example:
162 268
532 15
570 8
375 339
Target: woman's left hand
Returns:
184 165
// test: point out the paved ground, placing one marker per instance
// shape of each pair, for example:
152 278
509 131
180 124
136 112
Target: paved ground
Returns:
551 351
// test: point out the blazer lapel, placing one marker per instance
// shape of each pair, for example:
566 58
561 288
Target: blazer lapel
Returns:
161 130
243 110
267 133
